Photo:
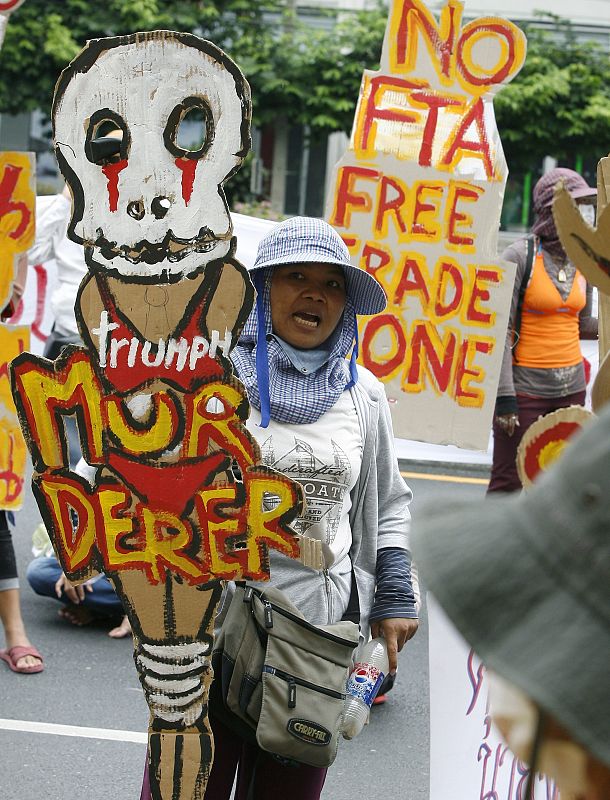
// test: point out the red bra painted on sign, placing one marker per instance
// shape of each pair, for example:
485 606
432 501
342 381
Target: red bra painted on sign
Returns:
170 360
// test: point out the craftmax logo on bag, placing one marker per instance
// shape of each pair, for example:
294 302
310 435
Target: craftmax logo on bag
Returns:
308 731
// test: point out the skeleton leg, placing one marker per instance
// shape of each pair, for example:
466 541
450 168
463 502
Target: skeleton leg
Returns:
175 679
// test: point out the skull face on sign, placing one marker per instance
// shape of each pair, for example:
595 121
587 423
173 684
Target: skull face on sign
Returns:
153 209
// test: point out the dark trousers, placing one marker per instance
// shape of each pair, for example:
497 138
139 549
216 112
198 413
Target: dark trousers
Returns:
504 477
44 572
272 780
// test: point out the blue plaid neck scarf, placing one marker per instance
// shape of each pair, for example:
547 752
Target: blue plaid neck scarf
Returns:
274 385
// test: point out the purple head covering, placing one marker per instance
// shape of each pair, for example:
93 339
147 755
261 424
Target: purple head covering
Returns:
544 224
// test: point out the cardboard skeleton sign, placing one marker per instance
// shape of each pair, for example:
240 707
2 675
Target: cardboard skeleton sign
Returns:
587 247
177 502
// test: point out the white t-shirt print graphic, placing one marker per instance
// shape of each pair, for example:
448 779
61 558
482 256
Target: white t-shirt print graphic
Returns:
324 484
325 459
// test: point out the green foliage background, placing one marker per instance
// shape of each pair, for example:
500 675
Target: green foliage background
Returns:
310 75
558 105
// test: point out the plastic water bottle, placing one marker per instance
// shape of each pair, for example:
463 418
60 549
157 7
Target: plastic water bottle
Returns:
362 686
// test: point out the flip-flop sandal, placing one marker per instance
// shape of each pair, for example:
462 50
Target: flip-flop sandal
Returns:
18 652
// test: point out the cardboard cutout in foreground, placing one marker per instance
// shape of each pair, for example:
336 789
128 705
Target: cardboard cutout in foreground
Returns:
545 440
417 199
147 128
589 249
17 209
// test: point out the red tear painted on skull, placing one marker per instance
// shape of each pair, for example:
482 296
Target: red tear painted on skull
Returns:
111 171
188 167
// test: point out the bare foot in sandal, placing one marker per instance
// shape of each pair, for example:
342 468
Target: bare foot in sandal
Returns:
19 654
122 630
77 615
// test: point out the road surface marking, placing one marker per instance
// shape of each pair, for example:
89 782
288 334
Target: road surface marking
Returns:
73 730
427 476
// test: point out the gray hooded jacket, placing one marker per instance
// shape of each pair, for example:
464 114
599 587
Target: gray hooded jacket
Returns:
379 518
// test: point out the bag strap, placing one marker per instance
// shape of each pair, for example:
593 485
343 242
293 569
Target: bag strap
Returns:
529 265
352 612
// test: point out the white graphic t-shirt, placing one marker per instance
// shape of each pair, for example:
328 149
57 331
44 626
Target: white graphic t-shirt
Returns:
325 459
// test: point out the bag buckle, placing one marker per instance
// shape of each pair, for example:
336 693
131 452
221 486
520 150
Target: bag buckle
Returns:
268 615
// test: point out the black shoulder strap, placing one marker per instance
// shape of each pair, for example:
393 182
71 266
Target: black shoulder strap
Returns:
529 264
352 612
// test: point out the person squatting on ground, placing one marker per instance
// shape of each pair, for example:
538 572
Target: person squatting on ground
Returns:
89 602
526 580
326 423
93 601
542 368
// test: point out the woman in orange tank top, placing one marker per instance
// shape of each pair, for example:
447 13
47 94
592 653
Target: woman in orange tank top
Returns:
543 367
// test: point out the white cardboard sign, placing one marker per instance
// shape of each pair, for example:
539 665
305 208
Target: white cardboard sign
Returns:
417 198
468 759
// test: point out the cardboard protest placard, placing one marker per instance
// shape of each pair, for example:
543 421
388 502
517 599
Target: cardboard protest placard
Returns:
6 8
545 440
586 247
417 199
469 759
17 211
147 128
589 249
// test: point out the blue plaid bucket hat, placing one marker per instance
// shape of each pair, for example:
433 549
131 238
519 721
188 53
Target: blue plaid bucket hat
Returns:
307 240
273 384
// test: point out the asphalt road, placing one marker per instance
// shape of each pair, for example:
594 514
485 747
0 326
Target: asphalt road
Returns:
90 683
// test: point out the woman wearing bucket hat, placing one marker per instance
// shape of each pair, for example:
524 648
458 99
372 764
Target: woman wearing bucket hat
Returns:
325 422
526 580
543 368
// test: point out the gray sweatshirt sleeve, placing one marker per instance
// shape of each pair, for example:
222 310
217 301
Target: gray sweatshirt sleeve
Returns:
393 494
587 323
506 400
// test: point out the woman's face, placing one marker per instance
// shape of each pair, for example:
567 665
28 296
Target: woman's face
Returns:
307 301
